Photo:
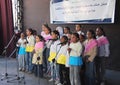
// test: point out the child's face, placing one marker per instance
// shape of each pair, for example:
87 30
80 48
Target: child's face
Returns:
43 27
65 30
22 35
37 39
46 31
74 39
81 38
54 36
62 40
28 32
77 27
98 32
89 35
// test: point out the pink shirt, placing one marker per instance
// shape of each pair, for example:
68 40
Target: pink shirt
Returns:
39 45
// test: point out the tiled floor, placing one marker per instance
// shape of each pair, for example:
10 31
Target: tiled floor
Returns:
113 77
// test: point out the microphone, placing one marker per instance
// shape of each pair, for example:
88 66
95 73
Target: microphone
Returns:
38 58
60 43
26 40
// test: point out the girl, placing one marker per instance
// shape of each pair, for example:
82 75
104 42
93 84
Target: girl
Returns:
54 48
29 49
82 38
38 56
75 60
21 54
82 73
62 58
60 30
79 29
67 32
103 50
47 32
42 32
47 36
90 53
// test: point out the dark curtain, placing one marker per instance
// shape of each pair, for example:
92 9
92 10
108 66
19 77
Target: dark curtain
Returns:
6 25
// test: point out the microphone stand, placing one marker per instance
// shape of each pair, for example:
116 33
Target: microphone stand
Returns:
38 69
18 78
54 64
6 75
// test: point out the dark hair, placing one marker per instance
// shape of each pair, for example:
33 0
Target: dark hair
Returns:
57 33
46 25
34 32
68 28
82 36
79 25
40 37
22 33
76 35
93 33
102 30
65 38
30 29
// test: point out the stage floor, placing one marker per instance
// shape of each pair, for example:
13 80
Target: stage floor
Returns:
113 77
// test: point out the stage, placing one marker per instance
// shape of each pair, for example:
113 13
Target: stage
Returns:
30 79
111 75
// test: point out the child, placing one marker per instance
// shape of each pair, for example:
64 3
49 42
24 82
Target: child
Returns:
75 60
104 52
54 48
90 53
62 58
46 32
21 54
82 72
29 49
67 32
60 30
38 56
47 36
79 29
82 38
43 28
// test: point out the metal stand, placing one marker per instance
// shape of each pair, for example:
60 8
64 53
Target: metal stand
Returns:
53 72
6 75
38 69
18 78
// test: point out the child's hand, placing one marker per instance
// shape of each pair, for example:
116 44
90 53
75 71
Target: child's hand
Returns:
69 50
53 60
25 42
33 51
18 44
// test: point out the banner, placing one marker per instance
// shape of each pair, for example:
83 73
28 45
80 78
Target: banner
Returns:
82 11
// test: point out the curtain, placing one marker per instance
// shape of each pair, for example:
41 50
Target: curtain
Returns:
6 25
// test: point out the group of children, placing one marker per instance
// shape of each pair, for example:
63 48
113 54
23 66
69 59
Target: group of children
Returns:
68 58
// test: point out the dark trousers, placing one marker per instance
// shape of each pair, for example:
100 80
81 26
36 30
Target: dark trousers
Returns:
100 68
28 61
64 75
82 74
90 73
45 59
38 70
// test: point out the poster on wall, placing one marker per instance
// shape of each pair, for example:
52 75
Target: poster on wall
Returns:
82 11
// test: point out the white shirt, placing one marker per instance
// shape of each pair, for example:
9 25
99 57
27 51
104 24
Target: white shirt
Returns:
54 46
21 42
63 51
103 49
80 33
76 49
31 40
